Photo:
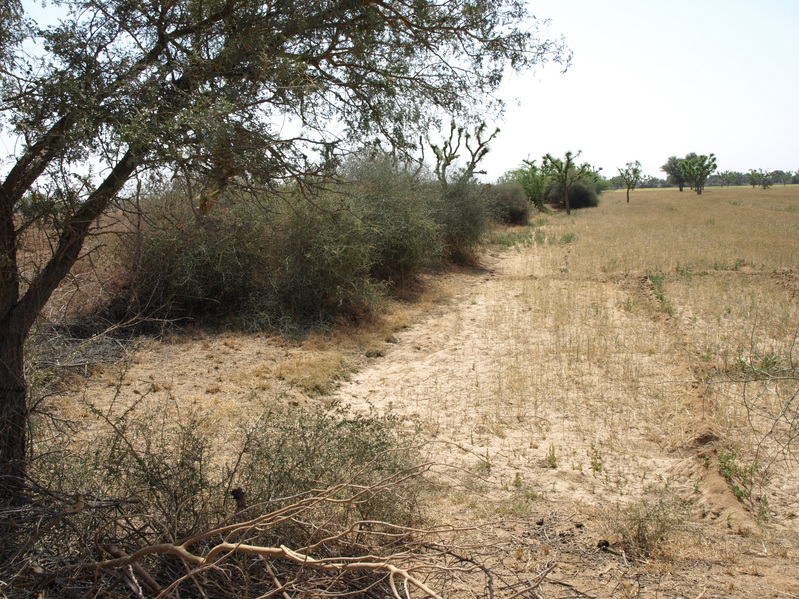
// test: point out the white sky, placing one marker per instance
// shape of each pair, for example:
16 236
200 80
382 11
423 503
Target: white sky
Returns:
652 79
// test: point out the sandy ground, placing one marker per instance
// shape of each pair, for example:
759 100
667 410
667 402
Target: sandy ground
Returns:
555 401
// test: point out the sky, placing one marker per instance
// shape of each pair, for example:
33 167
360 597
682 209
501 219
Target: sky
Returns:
652 79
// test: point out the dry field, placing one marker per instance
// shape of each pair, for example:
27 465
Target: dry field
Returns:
612 375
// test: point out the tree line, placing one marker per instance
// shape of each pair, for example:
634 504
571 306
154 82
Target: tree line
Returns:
697 172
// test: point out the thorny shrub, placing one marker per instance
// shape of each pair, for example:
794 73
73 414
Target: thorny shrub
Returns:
151 476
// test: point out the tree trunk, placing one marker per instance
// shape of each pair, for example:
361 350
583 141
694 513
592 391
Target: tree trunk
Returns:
628 195
566 199
19 314
13 412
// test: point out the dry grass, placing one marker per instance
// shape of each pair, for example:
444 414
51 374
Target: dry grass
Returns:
604 343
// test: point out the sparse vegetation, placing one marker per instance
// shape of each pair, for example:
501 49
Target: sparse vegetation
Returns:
645 526
625 388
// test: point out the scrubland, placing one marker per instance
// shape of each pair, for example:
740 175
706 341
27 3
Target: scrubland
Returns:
606 406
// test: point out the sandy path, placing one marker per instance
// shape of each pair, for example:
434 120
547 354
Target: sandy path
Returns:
563 397
485 379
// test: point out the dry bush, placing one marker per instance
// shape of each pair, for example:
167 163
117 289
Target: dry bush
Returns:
644 527
158 503
161 484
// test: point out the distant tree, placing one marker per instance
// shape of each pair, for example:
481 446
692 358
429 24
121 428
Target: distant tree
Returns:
616 182
631 175
698 169
727 178
566 174
532 180
753 176
673 169
765 178
785 177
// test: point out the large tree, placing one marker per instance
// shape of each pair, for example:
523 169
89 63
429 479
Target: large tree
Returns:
223 91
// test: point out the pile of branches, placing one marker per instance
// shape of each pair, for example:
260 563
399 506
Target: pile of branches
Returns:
75 546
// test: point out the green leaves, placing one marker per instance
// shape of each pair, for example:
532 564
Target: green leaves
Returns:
631 175
697 169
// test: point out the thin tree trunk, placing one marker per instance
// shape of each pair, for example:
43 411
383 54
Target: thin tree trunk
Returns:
13 413
20 313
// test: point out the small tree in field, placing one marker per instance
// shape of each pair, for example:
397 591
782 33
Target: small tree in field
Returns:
698 169
673 168
631 175
566 174
727 178
765 178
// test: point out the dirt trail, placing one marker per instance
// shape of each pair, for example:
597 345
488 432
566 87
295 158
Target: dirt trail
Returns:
572 438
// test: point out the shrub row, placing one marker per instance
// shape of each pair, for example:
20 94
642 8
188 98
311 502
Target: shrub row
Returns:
291 260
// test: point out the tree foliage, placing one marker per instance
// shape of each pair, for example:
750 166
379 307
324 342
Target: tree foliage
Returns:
566 174
697 169
223 92
673 169
532 180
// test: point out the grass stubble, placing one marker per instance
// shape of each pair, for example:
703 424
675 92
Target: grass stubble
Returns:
596 371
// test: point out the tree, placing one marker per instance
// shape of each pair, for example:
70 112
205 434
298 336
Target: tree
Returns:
448 152
729 178
566 174
753 176
673 169
532 180
698 169
225 92
765 178
631 175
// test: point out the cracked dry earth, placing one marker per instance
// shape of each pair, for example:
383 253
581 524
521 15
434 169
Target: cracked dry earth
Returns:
556 400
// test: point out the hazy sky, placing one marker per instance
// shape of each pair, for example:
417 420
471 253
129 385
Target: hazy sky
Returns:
652 79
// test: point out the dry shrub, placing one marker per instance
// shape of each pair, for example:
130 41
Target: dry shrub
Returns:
645 526
154 479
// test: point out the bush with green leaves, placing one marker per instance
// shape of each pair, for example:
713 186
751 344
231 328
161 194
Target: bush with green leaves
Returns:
270 265
507 203
394 204
317 269
532 179
462 213
582 194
